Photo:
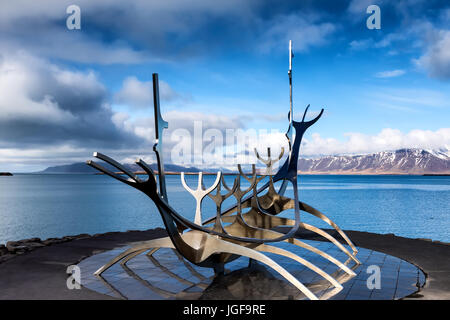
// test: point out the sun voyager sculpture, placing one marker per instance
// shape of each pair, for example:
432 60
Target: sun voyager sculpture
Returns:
246 228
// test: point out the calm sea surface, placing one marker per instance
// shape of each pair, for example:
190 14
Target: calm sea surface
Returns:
57 205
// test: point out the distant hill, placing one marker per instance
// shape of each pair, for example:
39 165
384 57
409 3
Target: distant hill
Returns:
403 161
83 168
76 168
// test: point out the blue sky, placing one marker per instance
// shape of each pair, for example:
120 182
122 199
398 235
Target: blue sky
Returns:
65 93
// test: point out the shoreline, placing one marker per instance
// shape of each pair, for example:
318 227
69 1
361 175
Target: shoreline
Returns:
25 245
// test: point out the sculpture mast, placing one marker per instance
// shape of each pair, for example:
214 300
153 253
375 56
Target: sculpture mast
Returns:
290 130
160 125
291 55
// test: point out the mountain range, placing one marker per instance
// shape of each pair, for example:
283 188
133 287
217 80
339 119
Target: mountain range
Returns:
403 161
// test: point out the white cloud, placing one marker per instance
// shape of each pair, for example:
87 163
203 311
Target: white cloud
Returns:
19 81
136 93
44 104
180 122
116 32
305 31
359 7
436 60
386 139
361 44
390 73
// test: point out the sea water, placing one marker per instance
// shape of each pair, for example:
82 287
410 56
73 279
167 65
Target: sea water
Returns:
58 205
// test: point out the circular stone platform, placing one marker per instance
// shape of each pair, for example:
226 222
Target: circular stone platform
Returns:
165 275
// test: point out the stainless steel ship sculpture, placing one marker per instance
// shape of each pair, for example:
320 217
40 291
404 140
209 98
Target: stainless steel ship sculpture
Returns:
246 228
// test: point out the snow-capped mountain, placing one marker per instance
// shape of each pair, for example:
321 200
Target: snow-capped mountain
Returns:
403 161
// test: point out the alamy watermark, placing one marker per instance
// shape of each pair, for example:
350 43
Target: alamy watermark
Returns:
214 147
73 21
374 20
374 280
74 280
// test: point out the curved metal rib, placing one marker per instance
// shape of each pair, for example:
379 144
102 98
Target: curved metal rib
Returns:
271 221
289 204
306 263
261 225
307 208
258 256
239 222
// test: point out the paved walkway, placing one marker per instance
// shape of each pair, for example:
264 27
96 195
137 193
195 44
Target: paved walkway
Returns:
41 273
